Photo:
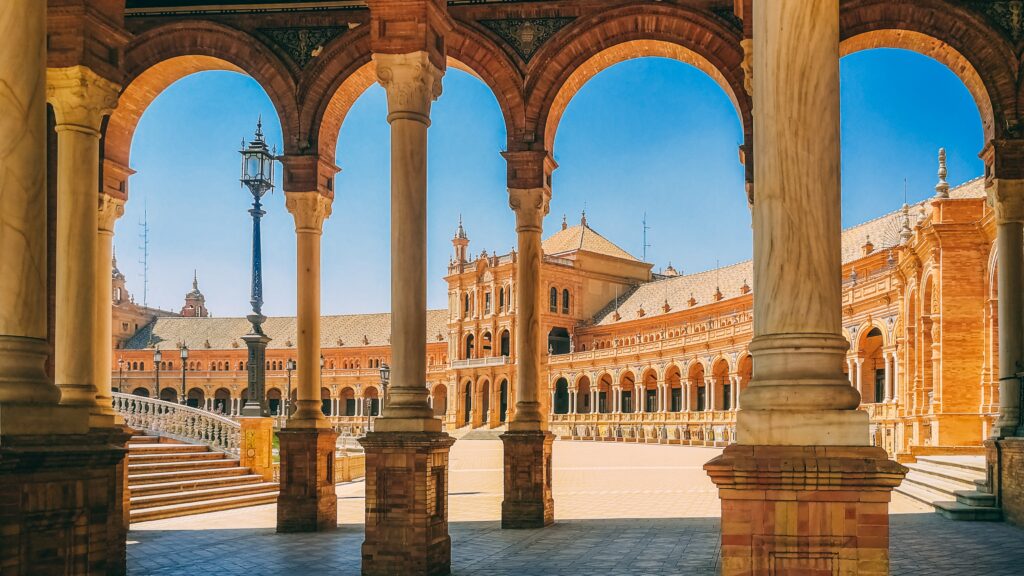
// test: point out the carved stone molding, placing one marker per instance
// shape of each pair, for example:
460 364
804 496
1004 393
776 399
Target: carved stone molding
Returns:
309 209
411 81
1007 199
302 44
526 35
111 209
530 206
748 65
1007 15
80 97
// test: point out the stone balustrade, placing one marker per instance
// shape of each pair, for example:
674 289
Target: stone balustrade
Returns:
179 422
705 428
480 362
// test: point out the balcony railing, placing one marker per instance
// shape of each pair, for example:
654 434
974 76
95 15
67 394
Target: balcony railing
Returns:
179 422
480 362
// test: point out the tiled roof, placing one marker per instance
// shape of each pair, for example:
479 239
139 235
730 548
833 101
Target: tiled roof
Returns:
651 296
350 330
583 238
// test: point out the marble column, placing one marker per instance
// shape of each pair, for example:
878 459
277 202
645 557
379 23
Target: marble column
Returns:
1008 200
799 429
407 453
890 358
80 99
527 461
709 386
858 364
110 209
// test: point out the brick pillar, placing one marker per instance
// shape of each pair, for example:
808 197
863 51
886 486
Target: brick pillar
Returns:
406 503
257 446
307 502
528 499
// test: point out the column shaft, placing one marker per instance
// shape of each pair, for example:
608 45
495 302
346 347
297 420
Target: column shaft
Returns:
23 290
1010 249
110 209
530 206
80 100
309 209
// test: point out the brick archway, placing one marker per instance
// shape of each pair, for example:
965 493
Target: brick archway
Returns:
957 38
589 45
163 55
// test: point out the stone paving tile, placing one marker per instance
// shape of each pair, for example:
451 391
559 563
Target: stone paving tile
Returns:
621 509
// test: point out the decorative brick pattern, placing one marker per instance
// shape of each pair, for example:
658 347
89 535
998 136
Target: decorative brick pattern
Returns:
61 504
528 499
406 503
804 509
307 502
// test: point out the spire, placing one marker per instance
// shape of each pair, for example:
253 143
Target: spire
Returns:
583 217
195 280
564 223
942 188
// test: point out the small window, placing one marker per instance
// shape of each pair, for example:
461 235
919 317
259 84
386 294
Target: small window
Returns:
553 306
501 299
565 301
465 307
487 303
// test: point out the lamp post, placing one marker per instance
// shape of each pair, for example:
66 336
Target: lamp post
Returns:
385 378
184 357
120 374
157 357
289 365
258 177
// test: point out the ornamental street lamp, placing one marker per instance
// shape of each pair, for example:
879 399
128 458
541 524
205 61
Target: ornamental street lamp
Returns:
157 357
120 373
184 357
258 177
385 378
289 365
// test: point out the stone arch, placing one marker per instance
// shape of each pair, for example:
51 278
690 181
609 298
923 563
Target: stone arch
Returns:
960 39
674 388
345 70
583 388
591 44
627 391
697 391
720 380
163 55
439 396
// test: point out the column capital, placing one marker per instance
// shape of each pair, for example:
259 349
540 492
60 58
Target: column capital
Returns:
110 210
411 81
1006 196
80 97
530 206
309 209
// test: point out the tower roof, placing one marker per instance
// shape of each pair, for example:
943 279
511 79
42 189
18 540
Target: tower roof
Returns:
195 293
460 232
583 238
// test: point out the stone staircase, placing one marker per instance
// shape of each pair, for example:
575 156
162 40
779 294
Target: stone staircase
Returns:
954 485
167 478
484 433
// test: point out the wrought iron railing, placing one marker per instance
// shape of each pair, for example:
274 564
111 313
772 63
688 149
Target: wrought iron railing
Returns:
179 422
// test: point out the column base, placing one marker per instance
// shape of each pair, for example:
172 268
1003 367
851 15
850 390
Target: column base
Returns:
307 502
805 509
802 427
528 499
61 503
407 503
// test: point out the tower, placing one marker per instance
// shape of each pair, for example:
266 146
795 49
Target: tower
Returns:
119 293
461 243
195 302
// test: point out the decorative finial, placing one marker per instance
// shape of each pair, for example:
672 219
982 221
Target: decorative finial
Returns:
195 279
113 259
905 231
942 188
583 218
460 232
564 223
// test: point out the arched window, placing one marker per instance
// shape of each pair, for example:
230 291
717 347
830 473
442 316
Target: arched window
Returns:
565 301
553 306
142 365
241 366
465 305
501 299
487 303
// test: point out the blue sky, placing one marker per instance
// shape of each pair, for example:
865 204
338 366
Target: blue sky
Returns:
649 136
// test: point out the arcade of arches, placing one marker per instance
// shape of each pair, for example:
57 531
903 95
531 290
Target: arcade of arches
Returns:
769 374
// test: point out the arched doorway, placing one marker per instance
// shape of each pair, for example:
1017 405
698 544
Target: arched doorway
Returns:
583 395
373 397
561 400
506 344
169 395
503 414
467 402
697 390
722 394
325 401
627 392
558 340
222 400
604 394
484 386
469 347
440 400
274 401
348 401
140 391
673 382
196 398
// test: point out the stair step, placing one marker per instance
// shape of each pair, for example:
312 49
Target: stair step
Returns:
157 448
946 473
981 485
975 498
975 464
959 511
168 457
155 500
183 475
188 508
221 462
143 439
193 484
921 493
938 484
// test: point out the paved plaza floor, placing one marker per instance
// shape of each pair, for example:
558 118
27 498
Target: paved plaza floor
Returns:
620 509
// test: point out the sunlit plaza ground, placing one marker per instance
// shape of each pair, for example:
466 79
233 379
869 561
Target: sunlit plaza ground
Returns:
620 509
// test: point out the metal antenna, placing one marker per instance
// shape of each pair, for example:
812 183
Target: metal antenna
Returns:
645 245
144 247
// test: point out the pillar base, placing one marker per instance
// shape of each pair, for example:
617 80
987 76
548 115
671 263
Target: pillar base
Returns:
803 427
61 503
307 502
805 509
258 446
407 503
1004 464
528 501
